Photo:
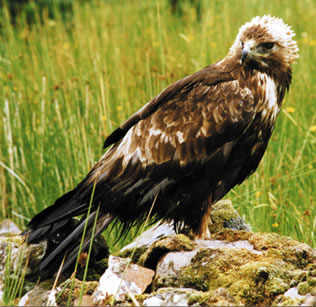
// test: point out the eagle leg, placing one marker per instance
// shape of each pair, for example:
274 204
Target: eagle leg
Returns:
204 231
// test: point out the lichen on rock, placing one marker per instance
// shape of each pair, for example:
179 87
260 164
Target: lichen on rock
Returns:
224 215
236 267
162 246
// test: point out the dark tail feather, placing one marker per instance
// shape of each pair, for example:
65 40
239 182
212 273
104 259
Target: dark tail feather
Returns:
71 244
69 240
66 206
37 234
102 224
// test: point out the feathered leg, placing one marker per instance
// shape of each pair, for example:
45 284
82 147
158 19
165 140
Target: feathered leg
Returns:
204 232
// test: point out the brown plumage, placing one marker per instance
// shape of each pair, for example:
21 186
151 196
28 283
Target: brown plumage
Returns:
186 148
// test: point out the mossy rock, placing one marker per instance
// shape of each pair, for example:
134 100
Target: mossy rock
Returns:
152 255
250 276
73 289
223 215
289 250
132 253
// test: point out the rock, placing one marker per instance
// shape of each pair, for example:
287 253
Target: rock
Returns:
148 256
140 245
8 228
253 271
224 215
236 267
148 237
289 298
21 253
8 245
39 297
120 282
85 301
170 297
35 254
218 297
310 300
20 258
163 246
187 297
170 266
68 292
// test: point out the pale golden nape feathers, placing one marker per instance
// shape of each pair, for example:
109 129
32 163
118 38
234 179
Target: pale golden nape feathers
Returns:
268 39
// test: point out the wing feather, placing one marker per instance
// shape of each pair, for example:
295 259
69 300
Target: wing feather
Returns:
209 75
178 142
191 134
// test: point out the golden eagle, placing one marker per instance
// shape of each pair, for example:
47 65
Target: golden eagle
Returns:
184 149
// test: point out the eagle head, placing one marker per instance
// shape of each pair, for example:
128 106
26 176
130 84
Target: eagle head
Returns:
265 43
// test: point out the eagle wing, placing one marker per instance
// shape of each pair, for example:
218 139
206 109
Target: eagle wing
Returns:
178 142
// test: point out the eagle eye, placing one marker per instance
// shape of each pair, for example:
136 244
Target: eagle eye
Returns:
267 46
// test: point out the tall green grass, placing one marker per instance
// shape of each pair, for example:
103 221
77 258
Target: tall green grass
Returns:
66 86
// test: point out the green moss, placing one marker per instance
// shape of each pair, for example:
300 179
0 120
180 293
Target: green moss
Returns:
307 286
312 281
135 253
287 249
229 235
200 298
249 278
312 273
109 300
197 278
209 268
303 288
278 286
67 289
141 297
218 297
179 242
287 301
47 284
220 276
95 270
101 265
223 211
17 240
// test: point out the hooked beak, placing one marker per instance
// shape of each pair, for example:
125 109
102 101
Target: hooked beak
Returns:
244 54
247 51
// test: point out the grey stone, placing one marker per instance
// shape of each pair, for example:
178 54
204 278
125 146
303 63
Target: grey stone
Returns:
8 228
151 235
39 297
120 281
9 246
170 297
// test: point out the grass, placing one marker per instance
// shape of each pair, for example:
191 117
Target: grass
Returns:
65 87
13 276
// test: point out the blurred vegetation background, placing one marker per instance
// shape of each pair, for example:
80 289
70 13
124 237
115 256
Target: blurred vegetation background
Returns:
72 71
